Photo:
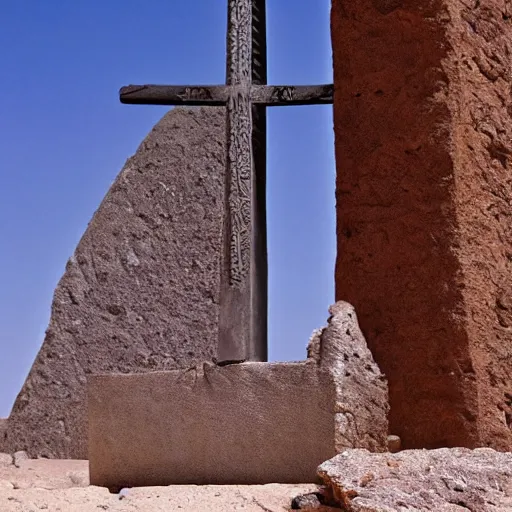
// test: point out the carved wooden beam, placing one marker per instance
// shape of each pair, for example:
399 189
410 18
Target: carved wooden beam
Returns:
217 95
213 95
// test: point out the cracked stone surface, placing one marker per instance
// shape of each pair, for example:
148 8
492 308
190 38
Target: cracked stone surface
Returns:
64 485
444 480
423 136
140 292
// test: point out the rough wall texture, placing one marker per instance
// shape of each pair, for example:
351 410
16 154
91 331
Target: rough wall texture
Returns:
3 428
423 149
141 290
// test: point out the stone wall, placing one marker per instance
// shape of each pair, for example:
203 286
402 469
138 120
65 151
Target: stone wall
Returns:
140 292
423 150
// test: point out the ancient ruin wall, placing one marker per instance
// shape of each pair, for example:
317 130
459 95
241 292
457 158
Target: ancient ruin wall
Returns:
140 292
480 101
422 127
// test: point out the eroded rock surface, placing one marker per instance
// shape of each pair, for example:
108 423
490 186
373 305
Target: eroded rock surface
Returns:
444 480
140 292
361 409
423 135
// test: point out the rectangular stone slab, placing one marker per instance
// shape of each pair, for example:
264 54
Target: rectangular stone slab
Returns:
250 423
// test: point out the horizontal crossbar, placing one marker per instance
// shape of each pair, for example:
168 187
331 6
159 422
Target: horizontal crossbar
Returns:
218 95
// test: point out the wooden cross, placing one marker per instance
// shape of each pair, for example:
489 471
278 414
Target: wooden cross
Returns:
243 293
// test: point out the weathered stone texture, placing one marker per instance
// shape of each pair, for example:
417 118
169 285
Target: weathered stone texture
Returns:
3 428
444 480
423 149
249 423
141 290
361 409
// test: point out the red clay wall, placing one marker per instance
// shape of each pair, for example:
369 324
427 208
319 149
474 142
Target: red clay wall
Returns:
424 208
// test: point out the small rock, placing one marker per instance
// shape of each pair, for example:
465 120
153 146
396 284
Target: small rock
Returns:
19 457
5 459
123 493
21 484
78 479
306 501
394 444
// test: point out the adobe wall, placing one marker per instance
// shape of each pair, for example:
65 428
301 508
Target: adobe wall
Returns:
423 150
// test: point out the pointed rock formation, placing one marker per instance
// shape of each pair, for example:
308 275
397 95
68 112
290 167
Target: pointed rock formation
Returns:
140 292
361 391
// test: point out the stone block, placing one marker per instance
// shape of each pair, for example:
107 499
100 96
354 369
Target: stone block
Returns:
422 109
249 423
140 292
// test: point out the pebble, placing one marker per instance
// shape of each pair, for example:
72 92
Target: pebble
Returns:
5 459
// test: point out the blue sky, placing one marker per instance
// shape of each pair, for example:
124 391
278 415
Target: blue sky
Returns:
65 136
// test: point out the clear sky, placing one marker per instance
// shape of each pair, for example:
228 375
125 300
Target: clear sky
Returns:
65 136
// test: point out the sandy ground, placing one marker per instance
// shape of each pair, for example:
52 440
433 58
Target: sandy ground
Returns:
63 485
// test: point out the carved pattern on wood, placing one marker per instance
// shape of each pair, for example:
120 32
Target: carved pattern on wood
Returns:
239 42
242 317
196 93
240 186
217 95
239 162
283 93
